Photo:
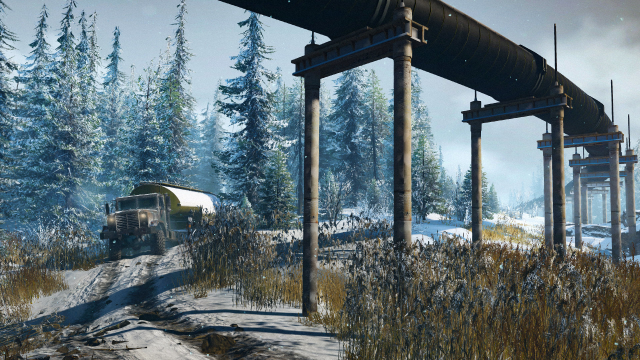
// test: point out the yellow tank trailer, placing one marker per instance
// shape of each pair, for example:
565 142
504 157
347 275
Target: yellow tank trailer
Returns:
152 214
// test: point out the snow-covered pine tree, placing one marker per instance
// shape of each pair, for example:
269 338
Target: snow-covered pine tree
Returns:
493 204
376 126
277 204
175 106
426 193
62 162
348 112
249 108
143 142
467 196
327 128
212 135
112 122
420 120
7 101
294 136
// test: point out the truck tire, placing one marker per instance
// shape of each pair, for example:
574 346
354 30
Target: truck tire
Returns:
157 243
115 251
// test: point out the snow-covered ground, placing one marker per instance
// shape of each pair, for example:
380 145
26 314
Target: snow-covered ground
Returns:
146 284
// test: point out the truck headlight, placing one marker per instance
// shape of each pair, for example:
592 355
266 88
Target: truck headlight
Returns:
111 221
144 219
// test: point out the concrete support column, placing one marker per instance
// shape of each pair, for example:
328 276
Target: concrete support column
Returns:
604 208
402 53
614 182
476 182
548 198
630 191
577 231
585 204
557 169
311 171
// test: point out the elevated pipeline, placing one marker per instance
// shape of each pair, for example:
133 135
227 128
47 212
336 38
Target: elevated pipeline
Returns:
458 48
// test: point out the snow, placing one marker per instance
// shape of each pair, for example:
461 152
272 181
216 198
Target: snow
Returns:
126 285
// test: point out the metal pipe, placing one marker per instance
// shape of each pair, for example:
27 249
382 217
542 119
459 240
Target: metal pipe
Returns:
311 173
402 54
459 48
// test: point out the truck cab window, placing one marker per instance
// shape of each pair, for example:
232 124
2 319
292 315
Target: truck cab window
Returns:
147 203
128 204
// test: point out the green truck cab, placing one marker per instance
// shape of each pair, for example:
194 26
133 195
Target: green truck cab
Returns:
152 214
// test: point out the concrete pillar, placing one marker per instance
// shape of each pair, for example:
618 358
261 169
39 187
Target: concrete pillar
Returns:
557 170
590 209
604 208
614 182
311 171
402 53
548 199
585 203
577 231
476 182
630 191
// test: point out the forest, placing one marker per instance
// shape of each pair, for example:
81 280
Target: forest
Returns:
79 130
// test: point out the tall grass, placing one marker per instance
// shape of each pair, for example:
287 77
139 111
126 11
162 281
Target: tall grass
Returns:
446 300
30 267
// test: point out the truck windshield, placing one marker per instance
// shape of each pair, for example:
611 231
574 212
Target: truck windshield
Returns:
147 203
126 204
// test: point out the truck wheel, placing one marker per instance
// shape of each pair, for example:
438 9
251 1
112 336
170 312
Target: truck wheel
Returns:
157 243
115 251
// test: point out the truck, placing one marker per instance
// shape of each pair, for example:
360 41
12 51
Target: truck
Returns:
153 214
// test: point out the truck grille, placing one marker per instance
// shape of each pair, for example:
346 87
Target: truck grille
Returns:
127 221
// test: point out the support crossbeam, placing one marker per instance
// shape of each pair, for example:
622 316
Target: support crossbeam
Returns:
582 140
600 184
517 108
602 160
600 175
359 48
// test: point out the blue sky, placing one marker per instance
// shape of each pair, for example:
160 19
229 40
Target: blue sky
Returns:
597 40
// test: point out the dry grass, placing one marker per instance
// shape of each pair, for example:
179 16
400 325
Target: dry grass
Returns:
30 267
507 230
447 300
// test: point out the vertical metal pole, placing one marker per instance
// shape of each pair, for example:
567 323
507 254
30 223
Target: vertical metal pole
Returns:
557 164
585 204
630 191
590 209
311 169
548 198
604 208
476 182
577 189
614 181
402 53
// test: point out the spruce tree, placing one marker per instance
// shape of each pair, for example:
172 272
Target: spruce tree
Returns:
7 105
212 146
277 192
426 192
112 121
62 162
348 116
249 107
143 142
294 136
467 196
376 126
175 106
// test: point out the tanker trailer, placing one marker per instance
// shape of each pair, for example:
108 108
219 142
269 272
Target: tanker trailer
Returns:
152 214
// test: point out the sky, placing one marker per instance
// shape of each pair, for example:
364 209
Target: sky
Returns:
598 40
